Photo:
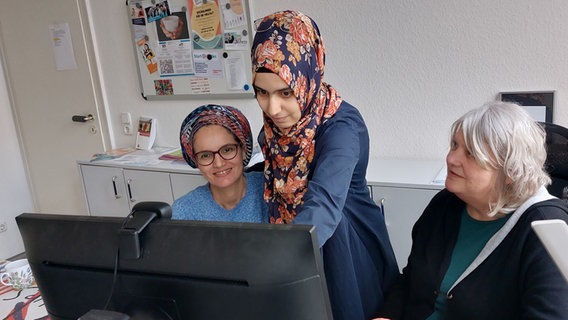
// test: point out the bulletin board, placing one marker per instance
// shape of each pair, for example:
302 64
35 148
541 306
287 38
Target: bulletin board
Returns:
192 49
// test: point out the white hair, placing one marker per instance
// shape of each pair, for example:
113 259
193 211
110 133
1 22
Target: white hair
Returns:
503 136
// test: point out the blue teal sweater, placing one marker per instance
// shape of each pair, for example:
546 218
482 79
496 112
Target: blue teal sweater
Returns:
199 204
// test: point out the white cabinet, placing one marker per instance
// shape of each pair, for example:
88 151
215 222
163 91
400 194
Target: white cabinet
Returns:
405 187
105 191
403 206
113 188
112 191
144 185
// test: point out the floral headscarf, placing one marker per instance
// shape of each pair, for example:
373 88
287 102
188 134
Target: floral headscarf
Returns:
288 43
228 117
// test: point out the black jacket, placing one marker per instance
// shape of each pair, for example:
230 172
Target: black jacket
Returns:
518 280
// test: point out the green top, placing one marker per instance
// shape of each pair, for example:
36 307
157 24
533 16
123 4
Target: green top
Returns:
472 237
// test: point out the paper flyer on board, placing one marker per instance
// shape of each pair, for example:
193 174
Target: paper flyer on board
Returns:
233 13
235 74
207 64
205 23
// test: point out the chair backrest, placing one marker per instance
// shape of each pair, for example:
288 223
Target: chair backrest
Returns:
557 158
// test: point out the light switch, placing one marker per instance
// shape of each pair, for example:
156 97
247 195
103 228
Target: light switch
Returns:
125 118
126 121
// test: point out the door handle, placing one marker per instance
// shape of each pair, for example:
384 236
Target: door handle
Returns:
86 118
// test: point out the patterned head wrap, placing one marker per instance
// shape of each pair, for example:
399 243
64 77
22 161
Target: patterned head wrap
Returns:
289 44
228 117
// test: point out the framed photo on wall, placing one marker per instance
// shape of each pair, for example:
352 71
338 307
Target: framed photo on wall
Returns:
540 104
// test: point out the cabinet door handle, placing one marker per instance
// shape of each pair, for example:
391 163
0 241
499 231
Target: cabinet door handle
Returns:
130 190
382 205
116 195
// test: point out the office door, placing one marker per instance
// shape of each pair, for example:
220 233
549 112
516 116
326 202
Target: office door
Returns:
45 98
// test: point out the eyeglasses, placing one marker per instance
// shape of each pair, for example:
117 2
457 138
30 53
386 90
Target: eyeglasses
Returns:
226 152
268 26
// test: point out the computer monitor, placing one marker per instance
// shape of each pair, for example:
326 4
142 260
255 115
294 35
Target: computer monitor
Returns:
553 234
172 269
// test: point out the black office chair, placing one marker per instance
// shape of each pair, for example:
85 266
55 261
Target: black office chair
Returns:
557 159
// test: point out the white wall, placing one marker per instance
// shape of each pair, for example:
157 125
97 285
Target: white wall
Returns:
15 196
411 67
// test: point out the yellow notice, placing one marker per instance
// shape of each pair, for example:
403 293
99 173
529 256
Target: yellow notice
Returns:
205 20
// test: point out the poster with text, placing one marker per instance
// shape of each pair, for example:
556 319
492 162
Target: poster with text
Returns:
205 24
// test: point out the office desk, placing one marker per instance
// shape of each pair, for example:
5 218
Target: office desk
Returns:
25 304
20 305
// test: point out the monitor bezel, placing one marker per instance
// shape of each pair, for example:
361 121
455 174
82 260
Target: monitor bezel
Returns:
221 253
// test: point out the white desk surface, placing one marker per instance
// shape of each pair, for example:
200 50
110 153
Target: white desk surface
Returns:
25 304
20 304
144 160
380 172
406 172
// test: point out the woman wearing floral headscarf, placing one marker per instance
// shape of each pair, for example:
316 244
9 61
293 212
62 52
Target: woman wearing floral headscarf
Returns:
316 149
218 141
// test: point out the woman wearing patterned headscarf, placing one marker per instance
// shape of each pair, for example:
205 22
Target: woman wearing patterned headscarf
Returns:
218 141
316 149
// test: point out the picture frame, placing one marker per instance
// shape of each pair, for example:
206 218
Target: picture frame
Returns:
533 101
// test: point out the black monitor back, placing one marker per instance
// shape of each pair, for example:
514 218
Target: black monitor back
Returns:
186 270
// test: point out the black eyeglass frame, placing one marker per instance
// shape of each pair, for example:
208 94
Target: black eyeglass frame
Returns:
218 152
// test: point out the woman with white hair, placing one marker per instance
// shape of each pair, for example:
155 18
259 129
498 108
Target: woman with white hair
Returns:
474 254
